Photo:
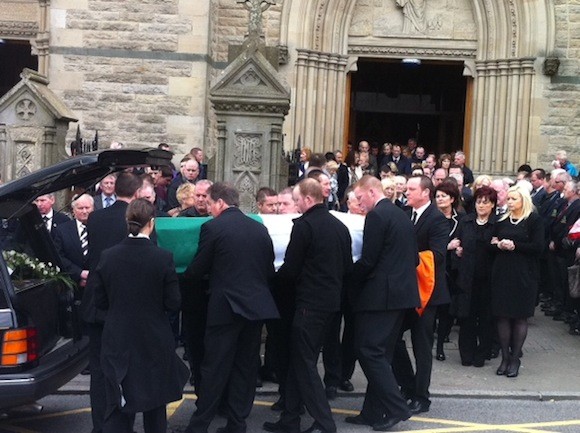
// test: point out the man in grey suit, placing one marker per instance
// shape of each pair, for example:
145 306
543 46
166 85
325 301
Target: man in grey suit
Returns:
388 287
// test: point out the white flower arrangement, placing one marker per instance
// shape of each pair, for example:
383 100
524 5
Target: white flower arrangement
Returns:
22 266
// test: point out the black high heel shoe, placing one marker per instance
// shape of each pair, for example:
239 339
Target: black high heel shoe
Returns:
514 368
503 367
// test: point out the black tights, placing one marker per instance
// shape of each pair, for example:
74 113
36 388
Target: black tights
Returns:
512 333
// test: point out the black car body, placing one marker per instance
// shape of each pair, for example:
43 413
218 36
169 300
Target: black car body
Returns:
41 343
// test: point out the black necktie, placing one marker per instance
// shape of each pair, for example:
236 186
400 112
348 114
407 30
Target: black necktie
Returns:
414 217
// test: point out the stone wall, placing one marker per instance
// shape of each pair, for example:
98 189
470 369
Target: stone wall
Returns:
561 124
135 70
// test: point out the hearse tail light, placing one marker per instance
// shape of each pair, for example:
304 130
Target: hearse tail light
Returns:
19 346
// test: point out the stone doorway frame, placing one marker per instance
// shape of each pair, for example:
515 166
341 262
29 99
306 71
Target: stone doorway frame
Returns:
510 35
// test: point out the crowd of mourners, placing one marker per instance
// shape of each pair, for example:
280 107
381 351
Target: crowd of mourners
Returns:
441 248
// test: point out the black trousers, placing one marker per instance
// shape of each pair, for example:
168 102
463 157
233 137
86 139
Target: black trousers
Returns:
376 334
193 323
229 365
477 330
97 391
154 421
415 384
304 385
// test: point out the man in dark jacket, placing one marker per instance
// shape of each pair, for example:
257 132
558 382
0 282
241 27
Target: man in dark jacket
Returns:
318 258
239 302
431 233
387 286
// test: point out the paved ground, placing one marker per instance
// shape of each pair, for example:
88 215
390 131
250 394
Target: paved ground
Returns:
550 370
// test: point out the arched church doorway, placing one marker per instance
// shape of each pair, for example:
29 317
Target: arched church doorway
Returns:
393 100
15 55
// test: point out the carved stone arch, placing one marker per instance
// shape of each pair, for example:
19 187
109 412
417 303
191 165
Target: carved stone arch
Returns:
510 35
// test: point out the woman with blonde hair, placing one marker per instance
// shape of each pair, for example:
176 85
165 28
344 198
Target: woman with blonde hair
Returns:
518 241
389 187
185 195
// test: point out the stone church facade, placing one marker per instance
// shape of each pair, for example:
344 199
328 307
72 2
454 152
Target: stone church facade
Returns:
140 71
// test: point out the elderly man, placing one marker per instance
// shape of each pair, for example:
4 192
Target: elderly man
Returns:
107 195
71 240
317 237
467 173
387 287
189 173
51 218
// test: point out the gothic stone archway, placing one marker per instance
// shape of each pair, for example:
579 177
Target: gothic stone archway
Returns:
325 40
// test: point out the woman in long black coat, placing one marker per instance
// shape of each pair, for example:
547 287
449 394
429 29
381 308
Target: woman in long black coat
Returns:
136 283
472 302
518 241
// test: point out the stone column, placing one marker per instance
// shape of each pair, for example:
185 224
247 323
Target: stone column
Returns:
501 120
320 84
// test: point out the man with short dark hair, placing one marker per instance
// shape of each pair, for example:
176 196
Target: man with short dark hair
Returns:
317 238
538 193
240 300
431 233
267 201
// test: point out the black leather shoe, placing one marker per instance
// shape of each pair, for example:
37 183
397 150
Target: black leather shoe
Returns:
280 427
418 406
314 429
331 392
358 420
227 429
347 386
386 424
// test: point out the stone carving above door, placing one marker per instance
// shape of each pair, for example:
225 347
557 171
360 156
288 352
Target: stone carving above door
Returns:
431 19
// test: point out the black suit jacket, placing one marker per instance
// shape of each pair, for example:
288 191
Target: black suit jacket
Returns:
318 257
403 164
385 277
238 255
58 218
432 233
106 228
68 245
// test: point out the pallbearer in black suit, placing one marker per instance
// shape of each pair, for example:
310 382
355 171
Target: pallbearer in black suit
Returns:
431 233
72 242
317 259
136 283
106 228
384 287
238 255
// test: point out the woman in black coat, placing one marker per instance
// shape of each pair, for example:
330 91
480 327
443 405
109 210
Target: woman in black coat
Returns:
136 283
518 241
447 199
472 302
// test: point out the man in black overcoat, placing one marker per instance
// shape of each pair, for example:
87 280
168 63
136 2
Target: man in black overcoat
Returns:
105 228
431 232
384 287
318 257
237 253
